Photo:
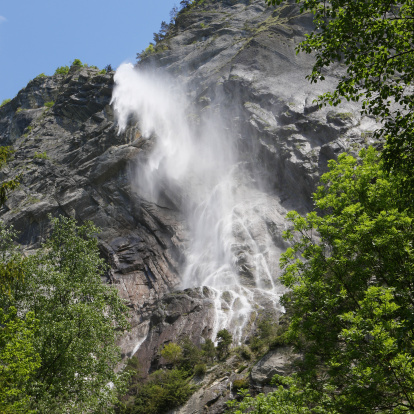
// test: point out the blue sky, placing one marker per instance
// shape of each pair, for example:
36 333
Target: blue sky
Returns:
37 36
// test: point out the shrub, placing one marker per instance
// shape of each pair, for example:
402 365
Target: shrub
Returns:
245 352
40 76
172 353
77 62
49 104
224 339
191 355
200 370
62 70
145 53
208 350
5 102
238 384
40 155
165 390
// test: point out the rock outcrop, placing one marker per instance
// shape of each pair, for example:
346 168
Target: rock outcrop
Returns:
235 57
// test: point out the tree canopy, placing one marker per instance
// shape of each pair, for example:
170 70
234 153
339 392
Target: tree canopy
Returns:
350 272
76 318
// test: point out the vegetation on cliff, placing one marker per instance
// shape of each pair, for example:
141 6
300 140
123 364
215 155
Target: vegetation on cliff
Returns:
59 325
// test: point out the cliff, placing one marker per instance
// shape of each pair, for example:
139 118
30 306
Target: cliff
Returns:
236 62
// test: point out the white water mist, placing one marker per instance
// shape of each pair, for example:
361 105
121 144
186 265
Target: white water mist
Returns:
230 250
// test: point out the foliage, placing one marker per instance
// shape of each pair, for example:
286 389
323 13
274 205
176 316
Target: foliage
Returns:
77 62
159 43
49 104
6 187
239 384
108 68
18 360
208 350
374 40
289 398
172 353
200 369
266 333
351 275
158 37
5 101
62 70
165 390
244 352
364 246
224 340
146 52
11 263
40 76
79 321
191 355
40 155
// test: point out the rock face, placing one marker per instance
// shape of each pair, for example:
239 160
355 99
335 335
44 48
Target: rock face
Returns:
234 57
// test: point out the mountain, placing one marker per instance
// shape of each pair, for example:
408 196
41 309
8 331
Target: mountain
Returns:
189 171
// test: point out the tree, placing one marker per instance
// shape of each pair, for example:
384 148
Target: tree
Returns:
79 318
208 350
350 272
224 340
163 391
355 263
18 360
374 41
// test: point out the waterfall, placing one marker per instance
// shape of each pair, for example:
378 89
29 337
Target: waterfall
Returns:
231 249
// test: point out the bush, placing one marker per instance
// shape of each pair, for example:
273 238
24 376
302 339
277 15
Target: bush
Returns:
40 155
224 339
146 52
62 70
200 370
245 352
49 104
172 353
5 102
77 62
208 350
191 355
238 384
165 390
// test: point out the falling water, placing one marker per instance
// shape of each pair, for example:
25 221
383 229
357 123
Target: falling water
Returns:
231 250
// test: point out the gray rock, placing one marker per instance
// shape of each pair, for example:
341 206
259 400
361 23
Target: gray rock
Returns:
275 362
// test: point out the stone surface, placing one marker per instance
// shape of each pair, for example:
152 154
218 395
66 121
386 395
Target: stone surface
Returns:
275 362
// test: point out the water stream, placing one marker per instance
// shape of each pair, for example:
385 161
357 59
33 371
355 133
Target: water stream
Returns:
231 248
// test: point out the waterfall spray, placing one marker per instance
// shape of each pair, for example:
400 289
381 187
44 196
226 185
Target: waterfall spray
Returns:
231 250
